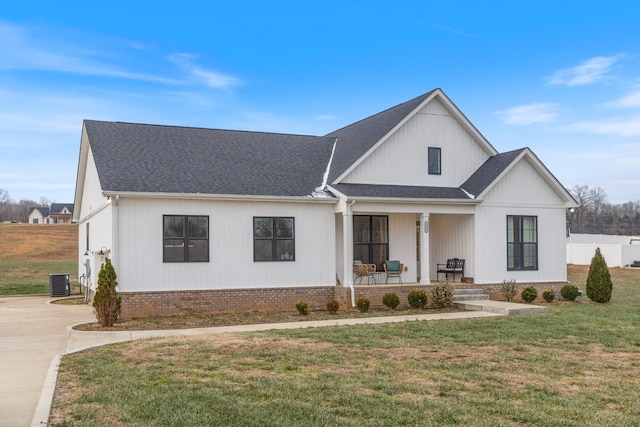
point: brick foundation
(150, 304)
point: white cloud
(326, 117)
(629, 101)
(23, 50)
(210, 78)
(620, 127)
(540, 112)
(590, 71)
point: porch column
(424, 249)
(347, 247)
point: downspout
(350, 248)
(115, 231)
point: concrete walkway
(34, 334)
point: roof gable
(168, 159)
(496, 167)
(356, 141)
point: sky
(559, 77)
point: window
(371, 239)
(87, 237)
(274, 239)
(434, 161)
(522, 242)
(185, 238)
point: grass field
(578, 365)
(29, 253)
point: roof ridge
(203, 128)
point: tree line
(18, 211)
(594, 215)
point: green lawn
(32, 277)
(578, 365)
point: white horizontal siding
(402, 158)
(231, 264)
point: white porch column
(424, 249)
(347, 247)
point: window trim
(434, 155)
(519, 244)
(275, 239)
(186, 239)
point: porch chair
(393, 269)
(364, 270)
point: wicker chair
(364, 270)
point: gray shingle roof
(354, 140)
(43, 211)
(489, 171)
(56, 208)
(169, 159)
(400, 191)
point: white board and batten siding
(95, 210)
(403, 158)
(520, 192)
(231, 264)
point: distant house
(212, 220)
(57, 213)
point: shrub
(509, 289)
(569, 292)
(548, 294)
(363, 305)
(302, 307)
(391, 300)
(106, 302)
(599, 284)
(333, 306)
(529, 294)
(417, 299)
(442, 294)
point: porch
(419, 240)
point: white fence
(618, 251)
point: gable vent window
(274, 239)
(435, 162)
(522, 242)
(185, 238)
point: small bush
(509, 289)
(363, 305)
(549, 295)
(391, 300)
(442, 294)
(569, 292)
(529, 294)
(333, 306)
(417, 299)
(107, 302)
(302, 307)
(599, 285)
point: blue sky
(561, 77)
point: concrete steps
(460, 295)
(477, 300)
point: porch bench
(453, 266)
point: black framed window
(522, 242)
(371, 239)
(435, 161)
(185, 238)
(274, 239)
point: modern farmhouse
(212, 220)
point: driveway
(32, 333)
